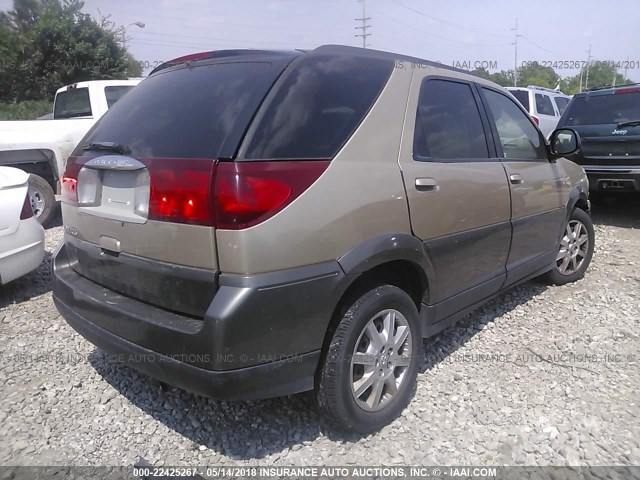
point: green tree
(537, 75)
(503, 78)
(54, 43)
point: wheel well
(582, 203)
(403, 274)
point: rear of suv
(250, 224)
(608, 121)
(545, 106)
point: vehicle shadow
(256, 429)
(31, 285)
(616, 210)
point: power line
(365, 25)
(450, 24)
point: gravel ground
(541, 375)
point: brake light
(626, 90)
(26, 212)
(248, 193)
(535, 119)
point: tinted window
(72, 103)
(543, 105)
(561, 103)
(522, 96)
(518, 136)
(448, 123)
(187, 113)
(318, 107)
(114, 94)
(604, 109)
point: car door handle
(427, 184)
(516, 179)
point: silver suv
(545, 106)
(250, 224)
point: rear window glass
(187, 113)
(72, 103)
(522, 96)
(114, 94)
(561, 103)
(318, 107)
(604, 109)
(543, 105)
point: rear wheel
(42, 199)
(369, 374)
(575, 251)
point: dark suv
(249, 224)
(608, 121)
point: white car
(41, 147)
(21, 235)
(545, 106)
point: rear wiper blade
(107, 147)
(632, 123)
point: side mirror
(563, 142)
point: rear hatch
(609, 126)
(136, 207)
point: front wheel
(575, 250)
(369, 373)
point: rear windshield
(604, 109)
(191, 112)
(114, 94)
(522, 96)
(318, 107)
(72, 103)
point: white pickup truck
(41, 147)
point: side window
(518, 136)
(448, 123)
(561, 103)
(543, 105)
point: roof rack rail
(607, 87)
(535, 87)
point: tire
(43, 199)
(574, 256)
(336, 389)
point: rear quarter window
(317, 107)
(561, 103)
(522, 96)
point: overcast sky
(447, 31)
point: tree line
(45, 44)
(600, 74)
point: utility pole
(365, 25)
(586, 82)
(515, 62)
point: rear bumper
(261, 336)
(613, 179)
(21, 252)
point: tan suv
(250, 224)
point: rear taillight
(536, 120)
(26, 212)
(248, 193)
(180, 190)
(69, 184)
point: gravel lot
(484, 396)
